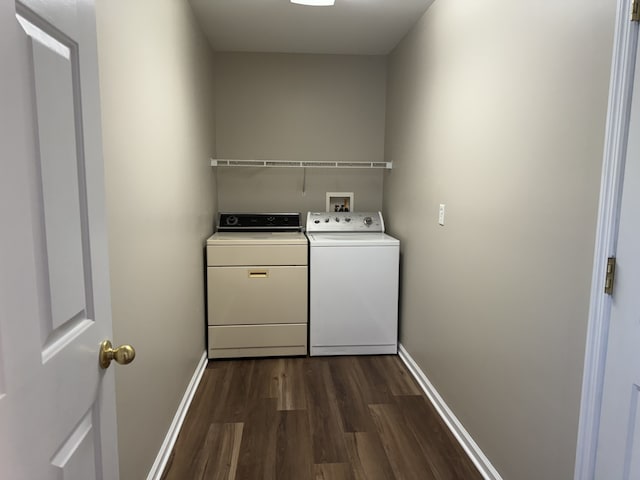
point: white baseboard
(478, 458)
(174, 429)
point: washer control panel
(345, 222)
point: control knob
(368, 221)
(231, 220)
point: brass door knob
(124, 354)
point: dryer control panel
(259, 222)
(345, 222)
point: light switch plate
(441, 214)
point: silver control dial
(367, 221)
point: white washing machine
(353, 284)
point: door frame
(615, 144)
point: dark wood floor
(316, 418)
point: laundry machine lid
(352, 239)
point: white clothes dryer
(257, 286)
(353, 284)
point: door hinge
(635, 11)
(610, 277)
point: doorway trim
(615, 142)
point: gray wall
(298, 107)
(156, 75)
(497, 109)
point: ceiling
(357, 27)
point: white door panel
(57, 409)
(57, 126)
(618, 454)
(60, 220)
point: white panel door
(618, 454)
(57, 408)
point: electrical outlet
(441, 214)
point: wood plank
(372, 381)
(288, 384)
(212, 383)
(294, 457)
(332, 471)
(406, 460)
(447, 458)
(223, 448)
(258, 449)
(194, 430)
(324, 414)
(216, 458)
(350, 397)
(196, 465)
(236, 393)
(399, 380)
(367, 457)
